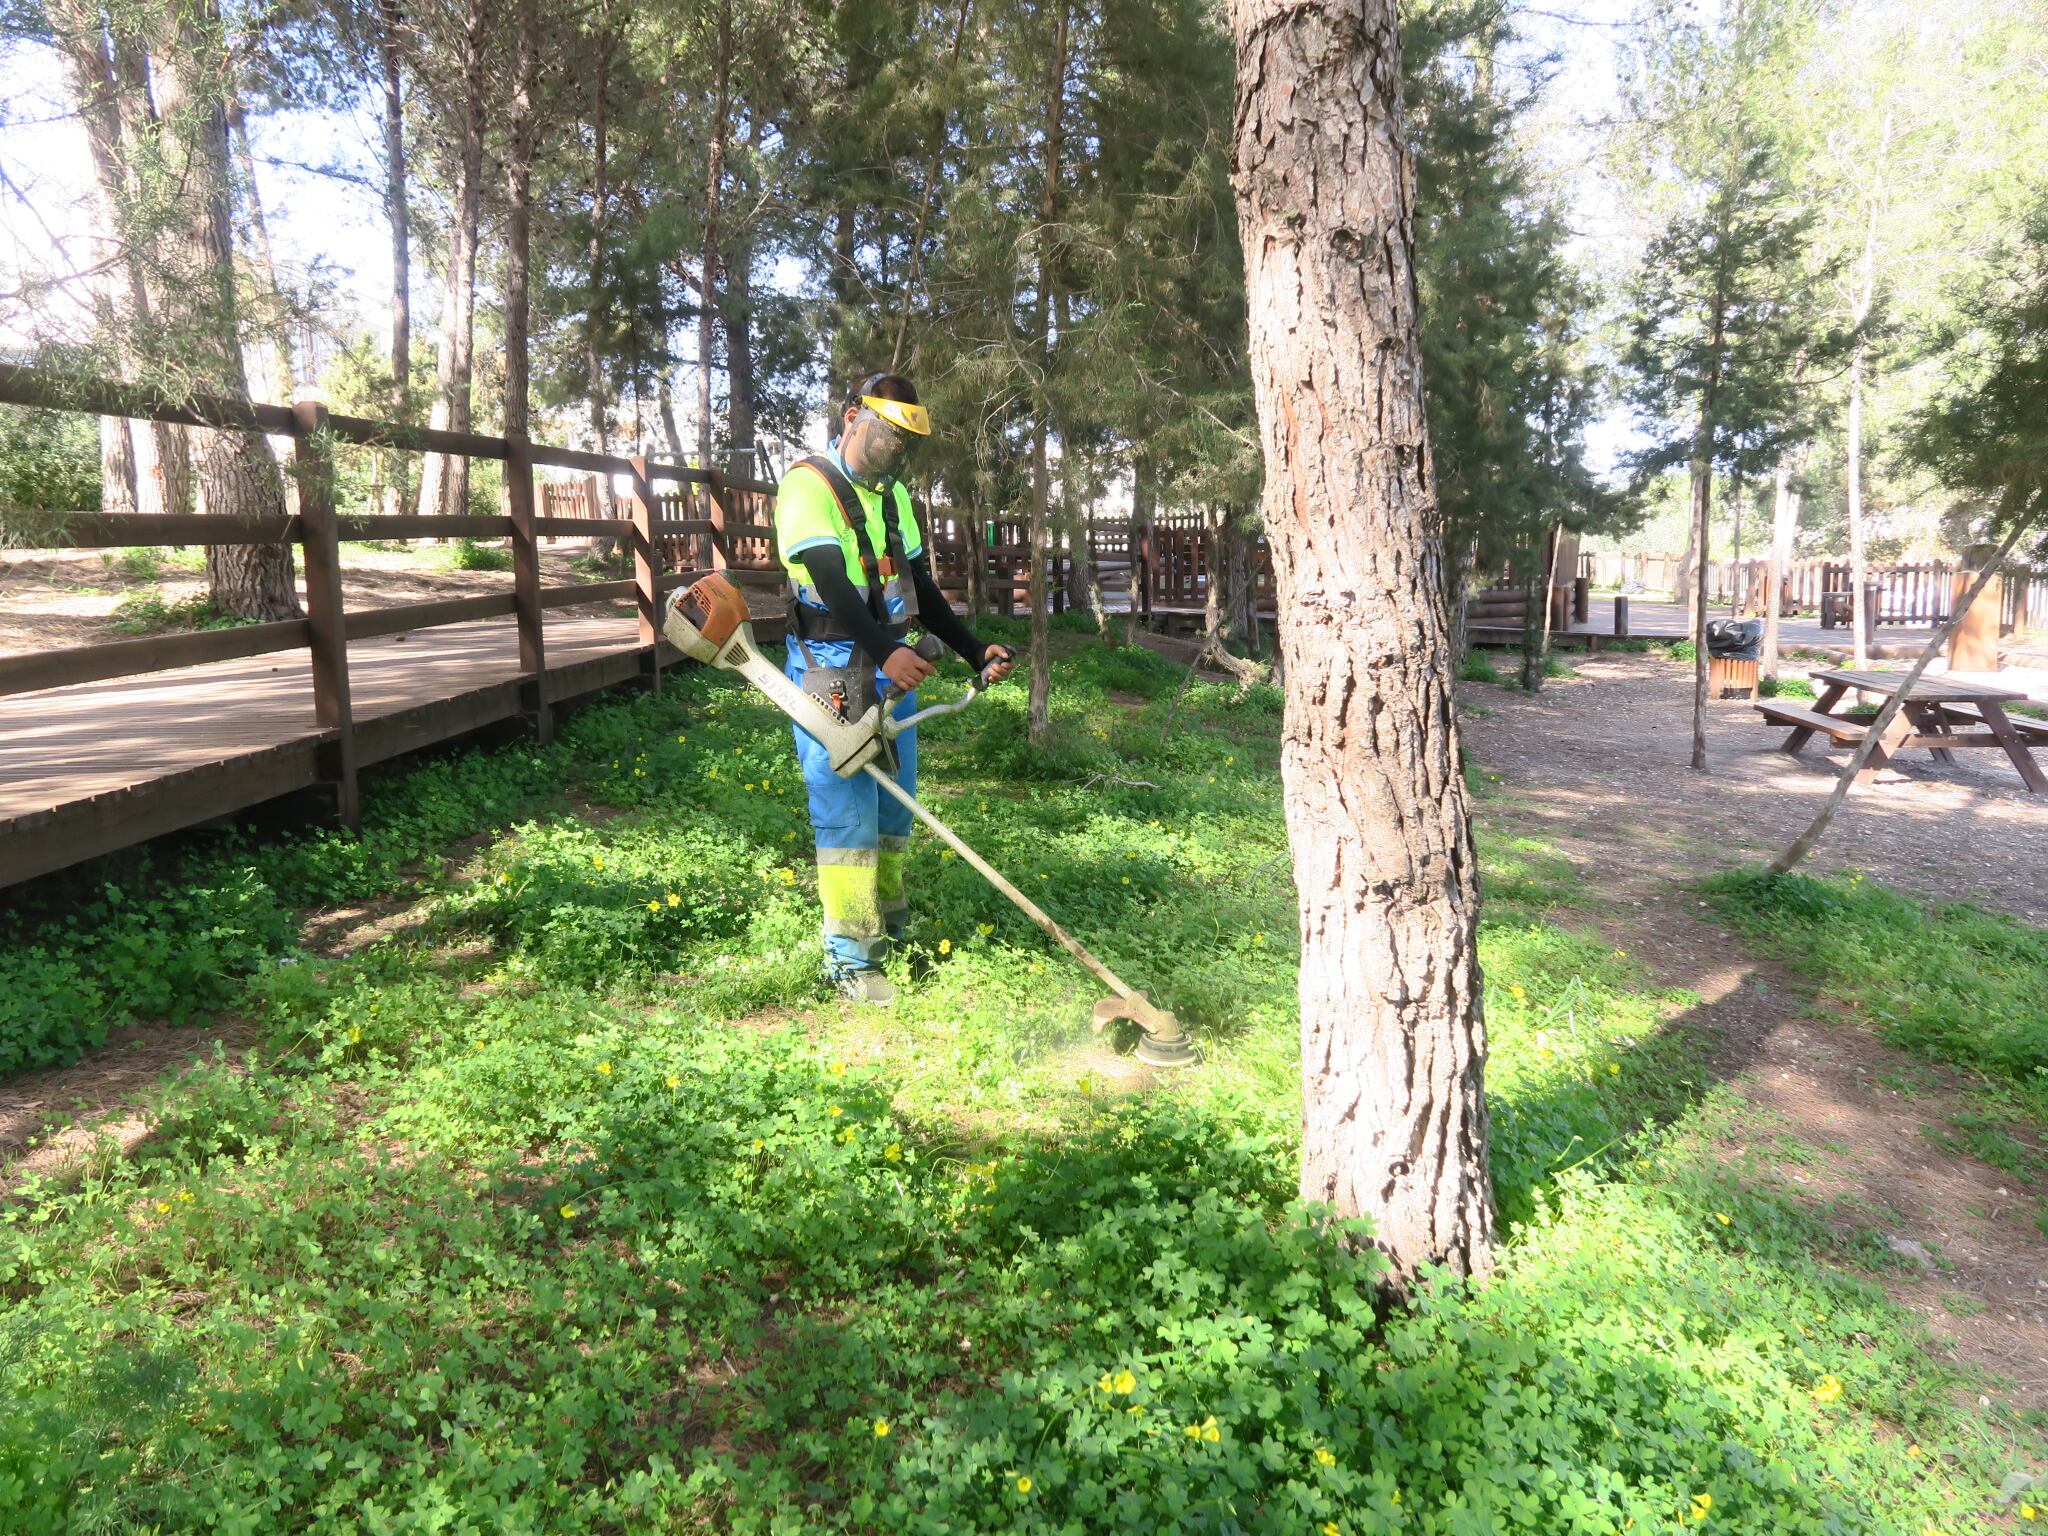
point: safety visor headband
(911, 418)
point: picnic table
(1940, 714)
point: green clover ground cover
(572, 1203)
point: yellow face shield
(911, 418)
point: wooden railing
(719, 516)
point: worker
(859, 574)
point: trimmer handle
(927, 647)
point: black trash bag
(1736, 639)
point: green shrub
(474, 555)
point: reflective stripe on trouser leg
(889, 897)
(893, 823)
(854, 935)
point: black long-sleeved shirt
(826, 566)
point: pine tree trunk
(738, 311)
(714, 183)
(1859, 568)
(398, 216)
(1393, 1038)
(133, 456)
(519, 151)
(1144, 507)
(233, 472)
(600, 207)
(275, 324)
(1702, 506)
(1039, 710)
(444, 486)
(1782, 515)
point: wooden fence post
(1621, 617)
(719, 515)
(526, 607)
(646, 587)
(313, 470)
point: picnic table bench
(1937, 715)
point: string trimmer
(708, 623)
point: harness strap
(856, 518)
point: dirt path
(1596, 766)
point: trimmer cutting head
(1161, 1042)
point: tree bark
(519, 152)
(396, 213)
(1393, 1036)
(444, 487)
(234, 472)
(1866, 295)
(141, 464)
(714, 184)
(274, 324)
(1859, 567)
(593, 318)
(1702, 506)
(1038, 714)
(1782, 518)
(737, 308)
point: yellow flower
(1724, 1218)
(675, 1082)
(1913, 1451)
(597, 859)
(985, 929)
(881, 1429)
(844, 1136)
(759, 1144)
(1206, 1430)
(2028, 1512)
(639, 773)
(1517, 993)
(1331, 1528)
(653, 906)
(162, 1206)
(1701, 1503)
(835, 1111)
(681, 739)
(1023, 1485)
(673, 899)
(945, 946)
(1324, 1458)
(750, 789)
(568, 1213)
(604, 1069)
(1614, 1066)
(1102, 1382)
(894, 1152)
(1828, 1390)
(184, 1194)
(504, 879)
(1124, 1384)
(945, 853)
(789, 877)
(355, 1033)
(1228, 761)
(1127, 879)
(837, 1069)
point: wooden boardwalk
(98, 766)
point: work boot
(866, 987)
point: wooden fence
(707, 513)
(1915, 595)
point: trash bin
(1734, 646)
(1735, 639)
